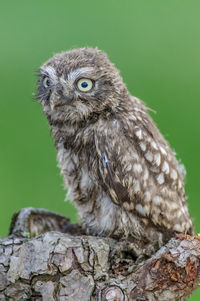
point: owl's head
(76, 83)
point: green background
(155, 44)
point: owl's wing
(117, 158)
(140, 172)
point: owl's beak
(54, 102)
(58, 99)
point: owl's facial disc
(61, 90)
(70, 89)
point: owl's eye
(84, 84)
(46, 82)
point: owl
(119, 171)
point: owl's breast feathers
(139, 170)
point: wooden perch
(59, 266)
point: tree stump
(39, 262)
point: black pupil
(84, 85)
(47, 82)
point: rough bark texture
(59, 266)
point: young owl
(119, 171)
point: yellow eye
(46, 82)
(84, 84)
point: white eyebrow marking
(76, 73)
(50, 71)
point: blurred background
(155, 44)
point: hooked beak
(56, 102)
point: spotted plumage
(118, 169)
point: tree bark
(37, 263)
